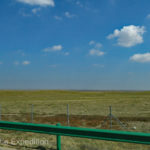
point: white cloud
(98, 65)
(92, 42)
(113, 2)
(69, 15)
(79, 4)
(128, 36)
(66, 53)
(36, 10)
(142, 58)
(148, 16)
(38, 2)
(1, 62)
(53, 48)
(16, 63)
(21, 52)
(24, 13)
(98, 45)
(26, 62)
(58, 18)
(53, 66)
(95, 44)
(96, 52)
(130, 73)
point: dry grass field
(87, 109)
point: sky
(75, 44)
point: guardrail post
(58, 140)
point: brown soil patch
(75, 120)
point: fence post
(68, 114)
(110, 109)
(0, 112)
(32, 107)
(58, 140)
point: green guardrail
(58, 130)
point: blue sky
(75, 44)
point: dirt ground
(76, 120)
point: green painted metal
(58, 139)
(110, 135)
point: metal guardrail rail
(58, 130)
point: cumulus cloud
(92, 42)
(66, 53)
(39, 2)
(36, 10)
(56, 48)
(58, 18)
(69, 15)
(16, 63)
(23, 13)
(21, 52)
(141, 58)
(95, 44)
(128, 36)
(53, 48)
(26, 62)
(79, 4)
(98, 65)
(66, 14)
(98, 45)
(113, 2)
(148, 16)
(53, 66)
(96, 52)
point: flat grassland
(86, 108)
